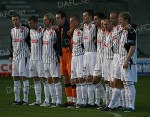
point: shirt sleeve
(131, 38)
(11, 47)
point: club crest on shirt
(21, 28)
(40, 30)
(51, 33)
(78, 33)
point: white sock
(97, 93)
(118, 101)
(17, 87)
(75, 100)
(126, 95)
(37, 87)
(46, 91)
(91, 89)
(115, 95)
(58, 88)
(84, 93)
(123, 97)
(52, 93)
(70, 99)
(25, 90)
(79, 94)
(103, 93)
(110, 92)
(107, 94)
(132, 94)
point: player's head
(102, 25)
(33, 22)
(98, 17)
(114, 18)
(48, 20)
(74, 21)
(107, 24)
(88, 16)
(124, 18)
(60, 18)
(15, 19)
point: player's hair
(106, 18)
(34, 18)
(50, 17)
(115, 12)
(15, 14)
(125, 16)
(62, 14)
(90, 12)
(76, 17)
(100, 15)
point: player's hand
(95, 41)
(10, 59)
(70, 32)
(125, 65)
(127, 26)
(55, 27)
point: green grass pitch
(6, 95)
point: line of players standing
(84, 54)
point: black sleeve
(65, 36)
(131, 39)
(95, 37)
(28, 39)
(82, 45)
(57, 45)
(11, 47)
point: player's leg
(57, 83)
(99, 89)
(24, 73)
(66, 78)
(41, 74)
(91, 86)
(129, 79)
(116, 80)
(73, 84)
(78, 67)
(17, 83)
(33, 71)
(51, 86)
(74, 68)
(46, 92)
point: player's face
(107, 25)
(74, 23)
(113, 19)
(102, 25)
(46, 22)
(32, 24)
(122, 21)
(15, 21)
(97, 21)
(60, 21)
(86, 17)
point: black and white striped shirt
(89, 32)
(128, 39)
(77, 48)
(19, 45)
(108, 44)
(100, 44)
(49, 53)
(36, 43)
